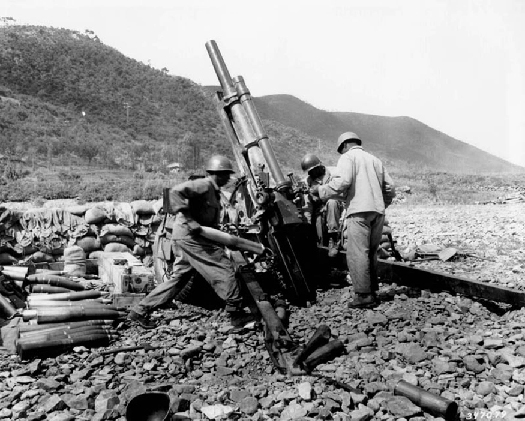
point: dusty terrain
(494, 233)
(449, 345)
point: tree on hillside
(190, 151)
(87, 150)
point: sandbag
(116, 229)
(7, 259)
(95, 255)
(75, 261)
(142, 207)
(78, 210)
(116, 248)
(157, 205)
(88, 244)
(25, 251)
(122, 239)
(95, 215)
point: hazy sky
(456, 65)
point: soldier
(364, 183)
(324, 216)
(195, 203)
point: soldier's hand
(314, 191)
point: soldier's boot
(363, 301)
(141, 320)
(240, 319)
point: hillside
(74, 112)
(65, 88)
(69, 99)
(402, 141)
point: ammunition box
(126, 300)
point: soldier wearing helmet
(324, 216)
(196, 203)
(367, 189)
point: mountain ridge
(400, 138)
(77, 100)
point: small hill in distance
(401, 141)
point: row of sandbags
(42, 235)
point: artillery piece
(283, 268)
(264, 198)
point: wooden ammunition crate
(141, 279)
(126, 300)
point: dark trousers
(195, 253)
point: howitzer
(267, 198)
(268, 201)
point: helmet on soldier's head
(345, 137)
(219, 163)
(309, 162)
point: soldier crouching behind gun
(195, 203)
(324, 216)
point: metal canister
(429, 402)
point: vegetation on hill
(91, 102)
(79, 119)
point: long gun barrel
(272, 208)
(246, 118)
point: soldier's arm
(340, 181)
(388, 188)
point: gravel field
(493, 232)
(451, 346)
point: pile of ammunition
(60, 313)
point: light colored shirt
(361, 181)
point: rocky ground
(448, 345)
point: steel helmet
(309, 162)
(345, 137)
(219, 163)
